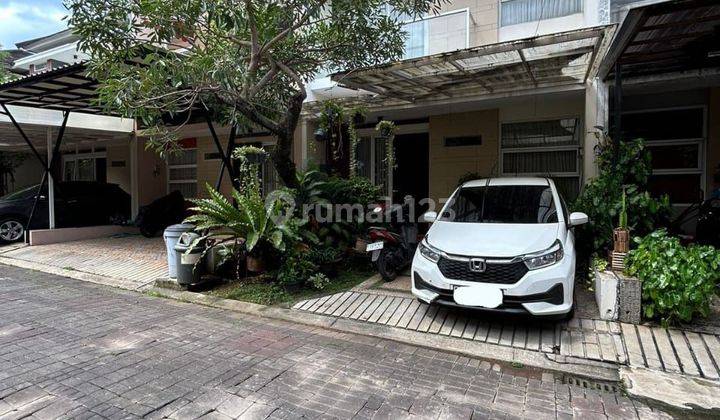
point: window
(182, 172)
(85, 165)
(371, 163)
(502, 204)
(675, 139)
(513, 12)
(436, 34)
(549, 148)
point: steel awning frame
(663, 38)
(556, 60)
(67, 89)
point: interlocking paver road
(73, 350)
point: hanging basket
(621, 240)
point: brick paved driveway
(73, 350)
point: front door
(412, 172)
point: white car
(503, 245)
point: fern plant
(252, 219)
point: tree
(245, 62)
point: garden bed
(262, 290)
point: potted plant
(250, 154)
(621, 234)
(320, 135)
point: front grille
(494, 273)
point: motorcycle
(161, 213)
(392, 249)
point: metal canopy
(669, 37)
(65, 88)
(545, 61)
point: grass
(264, 292)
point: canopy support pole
(228, 156)
(48, 172)
(617, 111)
(225, 157)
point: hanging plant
(250, 158)
(331, 121)
(387, 131)
(358, 114)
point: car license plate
(483, 295)
(374, 246)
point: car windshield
(25, 193)
(502, 204)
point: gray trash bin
(171, 235)
(188, 254)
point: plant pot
(255, 158)
(320, 135)
(606, 288)
(255, 264)
(629, 299)
(621, 240)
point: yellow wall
(448, 164)
(152, 175)
(119, 175)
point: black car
(77, 204)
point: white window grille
(182, 172)
(548, 148)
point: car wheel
(11, 230)
(386, 267)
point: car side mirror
(577, 219)
(429, 217)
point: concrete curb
(74, 274)
(676, 393)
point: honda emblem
(477, 265)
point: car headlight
(545, 258)
(429, 252)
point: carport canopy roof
(669, 37)
(38, 101)
(66, 88)
(556, 60)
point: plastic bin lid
(180, 227)
(187, 239)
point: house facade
(486, 88)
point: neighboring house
(48, 52)
(488, 87)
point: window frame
(169, 166)
(577, 148)
(500, 14)
(699, 141)
(426, 18)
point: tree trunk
(282, 155)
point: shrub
(295, 269)
(318, 281)
(602, 198)
(678, 282)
